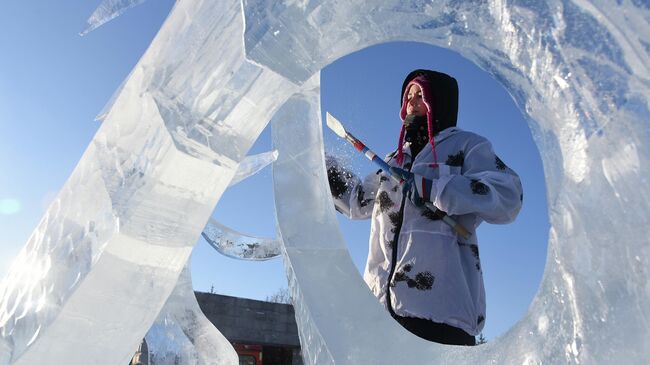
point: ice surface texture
(126, 220)
(107, 11)
(183, 335)
(106, 256)
(251, 165)
(231, 243)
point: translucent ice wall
(130, 213)
(107, 11)
(231, 243)
(108, 252)
(183, 335)
(579, 70)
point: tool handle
(361, 147)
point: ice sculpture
(251, 165)
(183, 335)
(107, 254)
(126, 220)
(233, 244)
(107, 11)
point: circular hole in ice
(362, 89)
(512, 256)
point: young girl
(428, 277)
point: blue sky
(54, 82)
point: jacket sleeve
(486, 187)
(352, 197)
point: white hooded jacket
(417, 265)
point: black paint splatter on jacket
(435, 274)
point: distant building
(262, 333)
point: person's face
(415, 104)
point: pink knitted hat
(427, 98)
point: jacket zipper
(393, 263)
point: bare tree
(280, 296)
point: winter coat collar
(444, 134)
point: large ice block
(170, 144)
(102, 262)
(579, 70)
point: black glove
(337, 177)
